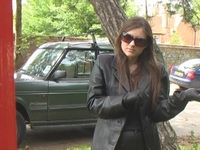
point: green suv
(51, 87)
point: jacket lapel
(125, 84)
(143, 83)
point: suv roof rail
(63, 38)
(94, 44)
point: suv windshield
(41, 62)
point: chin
(130, 55)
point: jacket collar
(142, 83)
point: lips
(130, 50)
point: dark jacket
(105, 102)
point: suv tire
(21, 128)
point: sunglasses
(128, 38)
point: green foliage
(129, 7)
(81, 148)
(189, 148)
(194, 142)
(195, 16)
(23, 47)
(189, 9)
(63, 17)
(176, 39)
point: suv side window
(78, 63)
(106, 51)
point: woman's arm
(170, 106)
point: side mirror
(59, 74)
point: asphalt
(188, 120)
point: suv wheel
(21, 128)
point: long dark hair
(147, 63)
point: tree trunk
(18, 34)
(168, 136)
(112, 18)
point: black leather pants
(131, 140)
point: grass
(194, 145)
(80, 148)
(86, 147)
(189, 148)
(193, 140)
(89, 148)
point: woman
(129, 92)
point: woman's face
(133, 43)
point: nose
(132, 43)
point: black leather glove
(190, 94)
(131, 98)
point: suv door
(68, 95)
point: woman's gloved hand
(131, 98)
(191, 94)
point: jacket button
(112, 143)
(119, 122)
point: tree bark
(112, 17)
(168, 136)
(18, 34)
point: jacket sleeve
(167, 106)
(99, 103)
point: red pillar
(7, 99)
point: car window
(78, 63)
(41, 62)
(102, 51)
(191, 64)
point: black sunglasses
(128, 38)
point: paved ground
(60, 138)
(188, 120)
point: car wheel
(21, 128)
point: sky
(142, 6)
(14, 4)
(143, 1)
(150, 1)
